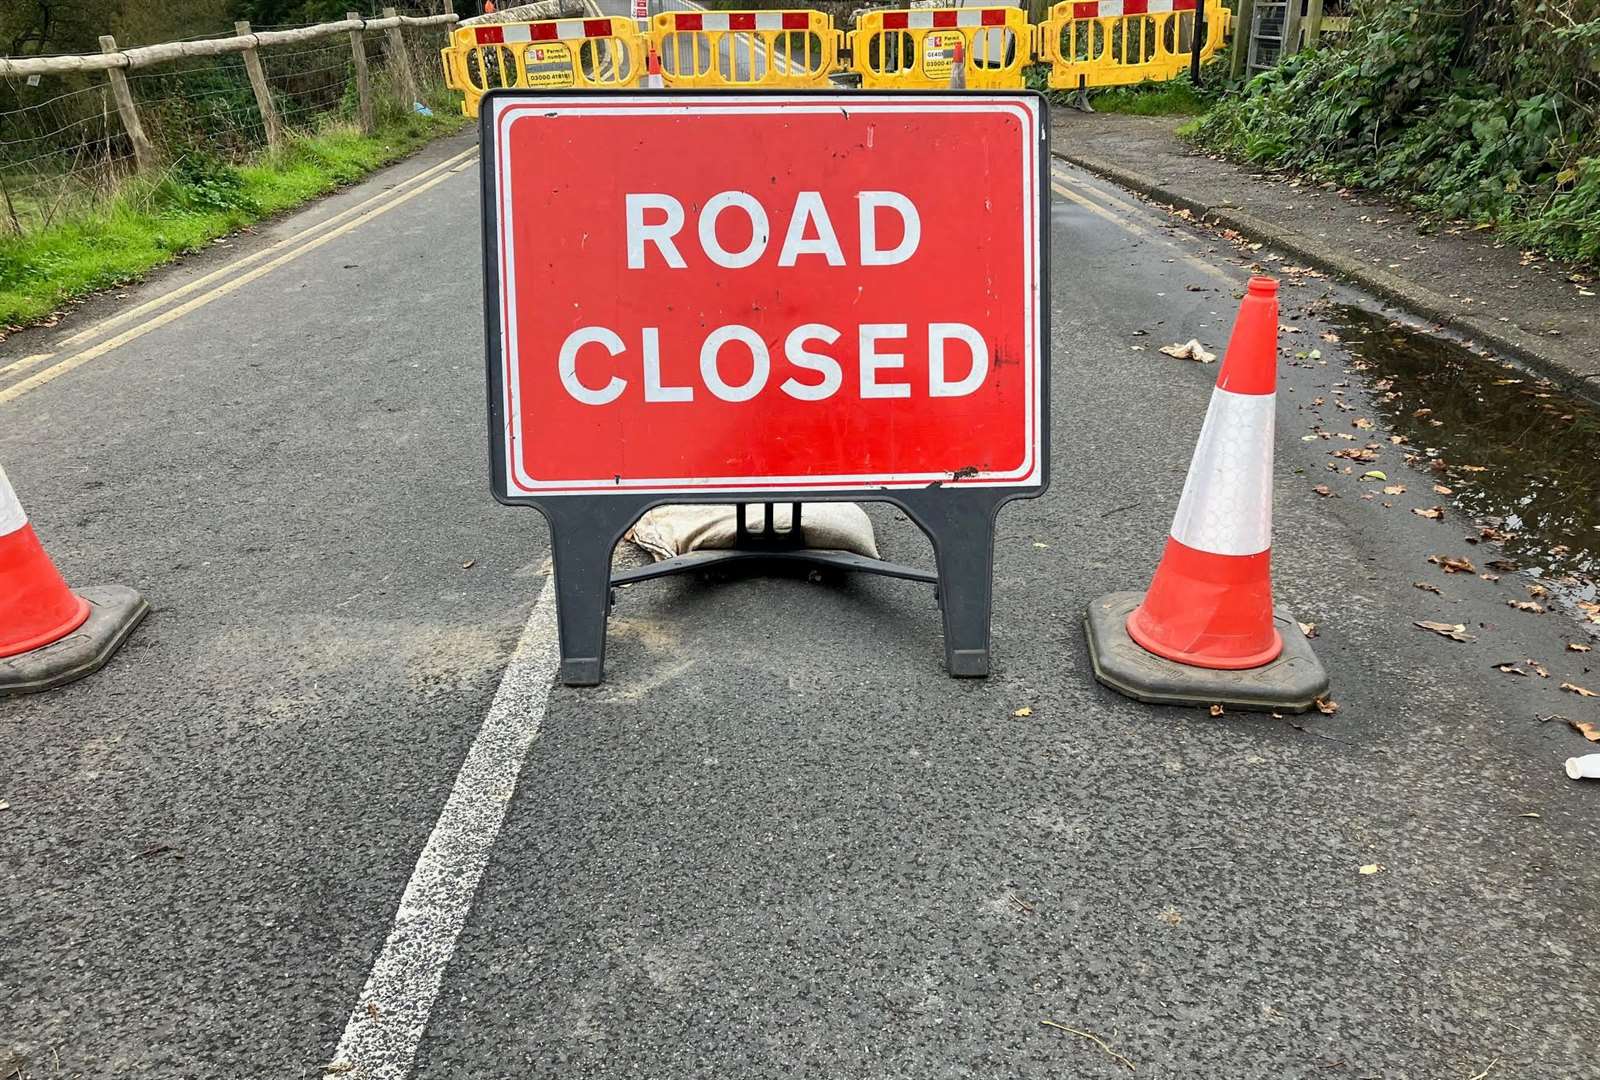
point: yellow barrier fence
(589, 54)
(915, 49)
(771, 48)
(1120, 42)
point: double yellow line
(291, 248)
(1124, 215)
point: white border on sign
(509, 111)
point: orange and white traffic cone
(50, 635)
(1206, 631)
(652, 69)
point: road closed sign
(764, 293)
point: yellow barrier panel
(589, 54)
(1120, 42)
(914, 49)
(774, 48)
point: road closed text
(809, 361)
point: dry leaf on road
(1395, 489)
(1453, 631)
(1573, 646)
(1026, 710)
(1372, 868)
(1327, 706)
(1586, 729)
(1309, 629)
(1216, 710)
(1425, 587)
(1526, 605)
(1510, 668)
(1190, 350)
(1433, 513)
(1580, 691)
(1453, 564)
(1324, 490)
(1440, 489)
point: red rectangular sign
(764, 292)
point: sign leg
(961, 526)
(583, 535)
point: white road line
(380, 1039)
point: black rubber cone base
(1291, 683)
(114, 610)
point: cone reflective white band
(1226, 508)
(11, 516)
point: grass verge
(190, 203)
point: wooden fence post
(258, 83)
(363, 81)
(1243, 28)
(144, 155)
(401, 60)
(1314, 23)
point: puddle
(1522, 457)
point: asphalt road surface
(778, 842)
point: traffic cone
(1206, 627)
(50, 635)
(652, 69)
(958, 67)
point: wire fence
(63, 142)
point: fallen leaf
(1171, 917)
(1580, 691)
(469, 564)
(1376, 474)
(1361, 423)
(1440, 489)
(1026, 710)
(1356, 454)
(1395, 489)
(1453, 564)
(1190, 350)
(1309, 629)
(1539, 669)
(1573, 646)
(1372, 868)
(1510, 669)
(1538, 592)
(1324, 490)
(1425, 587)
(1526, 605)
(1453, 631)
(1490, 577)
(1586, 729)
(1329, 335)
(1216, 710)
(1433, 513)
(1327, 706)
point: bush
(1489, 112)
